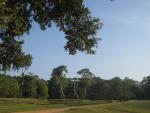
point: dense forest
(88, 86)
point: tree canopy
(86, 73)
(59, 71)
(58, 82)
(70, 16)
(96, 88)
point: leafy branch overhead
(70, 16)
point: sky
(124, 50)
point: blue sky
(123, 51)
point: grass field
(117, 107)
(8, 105)
(13, 105)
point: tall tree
(86, 81)
(29, 86)
(146, 86)
(58, 83)
(70, 16)
(59, 71)
(86, 73)
(42, 89)
(71, 90)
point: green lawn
(117, 107)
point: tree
(59, 71)
(14, 87)
(146, 87)
(134, 88)
(20, 81)
(29, 85)
(57, 87)
(118, 90)
(98, 90)
(86, 81)
(58, 83)
(71, 90)
(9, 86)
(70, 16)
(4, 86)
(11, 56)
(42, 89)
(86, 73)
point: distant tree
(86, 73)
(9, 86)
(42, 89)
(58, 83)
(20, 82)
(86, 81)
(134, 88)
(29, 85)
(59, 71)
(99, 90)
(70, 16)
(57, 87)
(146, 87)
(71, 90)
(4, 86)
(118, 90)
(14, 88)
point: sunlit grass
(13, 105)
(117, 107)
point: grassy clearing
(13, 105)
(116, 107)
(8, 105)
(72, 102)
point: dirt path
(57, 110)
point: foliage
(9, 87)
(61, 87)
(72, 90)
(57, 87)
(86, 73)
(58, 82)
(70, 16)
(85, 82)
(42, 89)
(146, 87)
(59, 71)
(99, 90)
(29, 86)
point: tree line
(88, 86)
